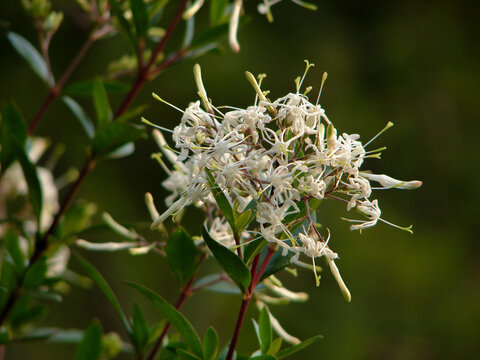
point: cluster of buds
(284, 156)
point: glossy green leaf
(31, 177)
(113, 136)
(265, 330)
(124, 25)
(106, 290)
(210, 344)
(140, 17)
(228, 261)
(140, 330)
(31, 55)
(253, 248)
(13, 129)
(85, 88)
(182, 255)
(217, 11)
(90, 348)
(295, 348)
(12, 244)
(80, 115)
(100, 100)
(221, 199)
(177, 319)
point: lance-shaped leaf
(175, 317)
(141, 332)
(90, 348)
(217, 11)
(113, 136)
(12, 130)
(182, 255)
(31, 55)
(107, 291)
(140, 17)
(265, 330)
(12, 244)
(100, 99)
(295, 348)
(221, 199)
(210, 344)
(80, 115)
(228, 261)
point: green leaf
(264, 357)
(215, 33)
(112, 136)
(85, 88)
(265, 330)
(174, 316)
(124, 25)
(221, 199)
(217, 10)
(90, 348)
(80, 115)
(140, 17)
(277, 263)
(135, 112)
(210, 344)
(295, 348)
(12, 244)
(242, 220)
(123, 151)
(32, 179)
(31, 55)
(100, 99)
(77, 218)
(275, 347)
(140, 330)
(107, 291)
(186, 355)
(228, 261)
(13, 129)
(253, 248)
(182, 255)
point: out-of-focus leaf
(295, 348)
(4, 335)
(210, 344)
(106, 246)
(12, 244)
(186, 355)
(85, 88)
(276, 345)
(100, 99)
(215, 33)
(221, 199)
(36, 334)
(45, 295)
(130, 114)
(217, 10)
(141, 332)
(277, 263)
(182, 255)
(189, 32)
(31, 55)
(107, 291)
(80, 115)
(77, 218)
(174, 316)
(12, 130)
(124, 25)
(140, 17)
(123, 151)
(264, 357)
(90, 348)
(25, 311)
(265, 330)
(228, 261)
(113, 136)
(36, 274)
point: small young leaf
(210, 344)
(107, 291)
(140, 330)
(32, 179)
(217, 10)
(100, 99)
(31, 55)
(275, 346)
(12, 244)
(12, 130)
(228, 261)
(253, 248)
(90, 348)
(80, 115)
(221, 199)
(113, 136)
(140, 17)
(265, 330)
(295, 348)
(174, 316)
(182, 255)
(85, 88)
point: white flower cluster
(279, 154)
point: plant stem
(186, 292)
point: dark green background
(414, 63)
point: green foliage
(12, 245)
(210, 344)
(265, 330)
(102, 106)
(113, 136)
(182, 255)
(80, 115)
(140, 17)
(90, 348)
(13, 133)
(174, 316)
(221, 199)
(217, 11)
(140, 330)
(296, 348)
(229, 262)
(85, 88)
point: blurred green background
(414, 63)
